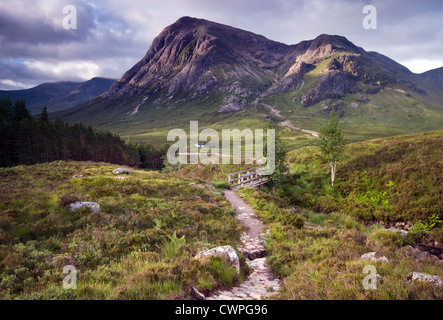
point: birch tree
(331, 143)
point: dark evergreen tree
(44, 115)
(6, 110)
(27, 140)
(20, 111)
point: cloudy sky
(112, 35)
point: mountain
(435, 77)
(226, 77)
(59, 95)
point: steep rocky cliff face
(196, 56)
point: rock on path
(261, 282)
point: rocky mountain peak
(336, 42)
(198, 69)
(198, 58)
(187, 54)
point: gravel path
(261, 282)
(287, 123)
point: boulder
(254, 254)
(196, 185)
(122, 171)
(77, 176)
(226, 251)
(374, 256)
(232, 107)
(412, 250)
(401, 232)
(423, 277)
(313, 227)
(93, 207)
(212, 189)
(427, 255)
(416, 253)
(403, 225)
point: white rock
(374, 256)
(226, 251)
(93, 207)
(122, 171)
(401, 232)
(417, 276)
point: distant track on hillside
(286, 122)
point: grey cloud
(35, 29)
(23, 73)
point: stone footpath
(261, 282)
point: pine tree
(6, 110)
(6, 134)
(331, 143)
(44, 115)
(20, 111)
(28, 140)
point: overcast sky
(112, 35)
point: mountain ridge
(201, 70)
(59, 95)
(172, 47)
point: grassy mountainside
(381, 103)
(59, 95)
(389, 179)
(153, 121)
(140, 246)
(391, 111)
(434, 76)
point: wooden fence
(248, 177)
